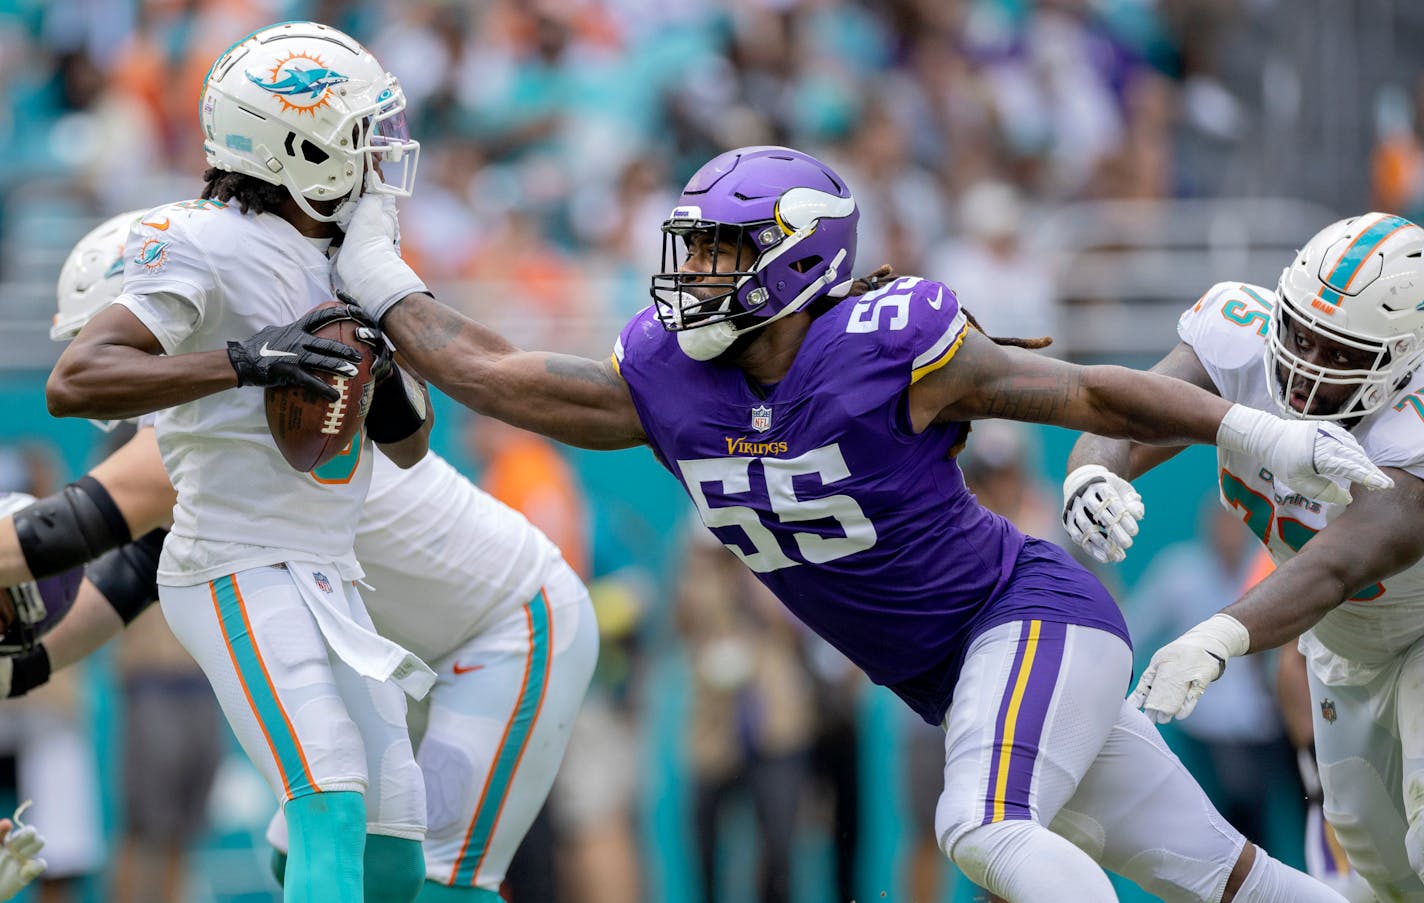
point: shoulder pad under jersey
(914, 322)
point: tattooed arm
(987, 380)
(1130, 459)
(572, 399)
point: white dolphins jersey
(443, 559)
(197, 274)
(1357, 639)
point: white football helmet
(306, 107)
(1358, 282)
(92, 275)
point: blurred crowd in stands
(555, 132)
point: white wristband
(1221, 635)
(1244, 430)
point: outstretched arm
(565, 397)
(1129, 459)
(1100, 507)
(989, 380)
(572, 399)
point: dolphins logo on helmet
(288, 83)
(306, 107)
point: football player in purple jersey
(811, 418)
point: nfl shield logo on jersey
(761, 418)
(1327, 710)
(322, 583)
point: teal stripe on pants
(296, 778)
(512, 748)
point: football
(310, 430)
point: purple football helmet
(796, 213)
(29, 610)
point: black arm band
(31, 670)
(398, 408)
(128, 575)
(69, 528)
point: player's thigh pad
(500, 717)
(1362, 768)
(1325, 859)
(1140, 813)
(395, 794)
(1409, 716)
(267, 661)
(1034, 702)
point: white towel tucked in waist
(349, 633)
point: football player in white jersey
(1341, 339)
(258, 575)
(504, 620)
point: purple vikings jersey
(860, 526)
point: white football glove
(369, 264)
(18, 863)
(1101, 511)
(1177, 676)
(1306, 455)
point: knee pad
(979, 848)
(1024, 861)
(1365, 817)
(1414, 848)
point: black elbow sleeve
(398, 408)
(31, 670)
(70, 528)
(128, 575)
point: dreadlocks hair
(251, 194)
(1042, 341)
(886, 273)
(869, 283)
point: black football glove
(284, 355)
(368, 332)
